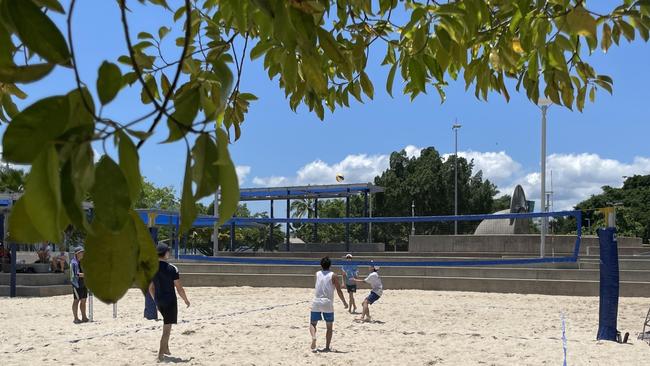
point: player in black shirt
(163, 290)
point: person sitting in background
(5, 255)
(43, 253)
(59, 261)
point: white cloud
(242, 173)
(272, 181)
(498, 167)
(575, 176)
(359, 168)
(413, 151)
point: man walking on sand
(377, 289)
(79, 290)
(163, 290)
(322, 307)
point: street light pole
(456, 127)
(543, 104)
(412, 215)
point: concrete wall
(507, 243)
(334, 247)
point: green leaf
(33, 128)
(110, 260)
(149, 84)
(110, 195)
(147, 265)
(580, 22)
(145, 35)
(290, 72)
(204, 172)
(53, 5)
(163, 31)
(390, 79)
(628, 30)
(38, 32)
(9, 106)
(21, 228)
(109, 82)
(313, 74)
(43, 195)
(227, 180)
(187, 107)
(130, 165)
(81, 113)
(329, 45)
(188, 205)
(260, 48)
(606, 41)
(24, 74)
(366, 85)
(165, 84)
(416, 72)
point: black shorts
(80, 293)
(169, 312)
(351, 288)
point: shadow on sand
(171, 359)
(325, 350)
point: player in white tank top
(323, 293)
(322, 307)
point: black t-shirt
(164, 283)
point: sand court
(269, 326)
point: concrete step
(36, 279)
(623, 264)
(477, 272)
(497, 285)
(38, 291)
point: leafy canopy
(317, 51)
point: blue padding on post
(306, 262)
(609, 284)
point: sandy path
(268, 326)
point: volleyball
(339, 177)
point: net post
(90, 306)
(114, 310)
(609, 278)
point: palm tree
(303, 207)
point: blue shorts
(372, 297)
(316, 316)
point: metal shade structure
(315, 192)
(310, 191)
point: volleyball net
(568, 253)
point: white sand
(265, 326)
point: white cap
(348, 255)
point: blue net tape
(315, 262)
(406, 263)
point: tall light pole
(456, 127)
(412, 215)
(543, 104)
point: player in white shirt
(322, 307)
(377, 289)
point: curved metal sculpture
(518, 202)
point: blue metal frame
(566, 259)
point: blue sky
(586, 150)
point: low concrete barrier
(333, 247)
(528, 243)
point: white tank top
(323, 293)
